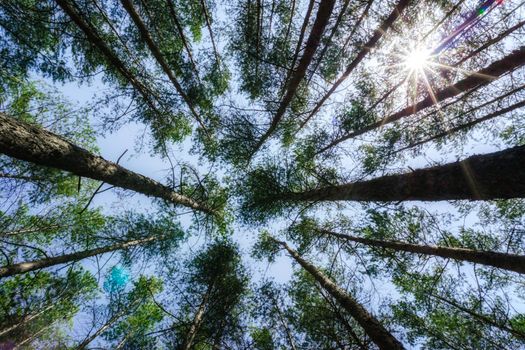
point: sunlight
(417, 59)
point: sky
(113, 144)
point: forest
(262, 174)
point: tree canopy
(262, 174)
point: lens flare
(417, 59)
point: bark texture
(373, 328)
(33, 144)
(511, 262)
(499, 175)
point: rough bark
(483, 77)
(499, 175)
(372, 327)
(23, 267)
(321, 20)
(378, 34)
(33, 144)
(511, 262)
(128, 6)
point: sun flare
(417, 59)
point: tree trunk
(197, 321)
(128, 6)
(482, 77)
(465, 126)
(329, 39)
(111, 57)
(321, 20)
(378, 34)
(29, 230)
(499, 175)
(285, 324)
(372, 327)
(180, 31)
(511, 262)
(25, 319)
(15, 269)
(102, 329)
(210, 32)
(299, 43)
(34, 144)
(343, 321)
(480, 317)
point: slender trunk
(101, 330)
(461, 61)
(299, 43)
(372, 42)
(258, 37)
(465, 126)
(343, 321)
(321, 20)
(123, 341)
(33, 144)
(25, 319)
(16, 269)
(208, 25)
(197, 321)
(480, 317)
(357, 24)
(511, 262)
(492, 42)
(285, 324)
(499, 175)
(180, 31)
(330, 37)
(29, 230)
(110, 56)
(128, 6)
(483, 77)
(372, 327)
(32, 337)
(288, 28)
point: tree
(373, 328)
(144, 234)
(31, 143)
(215, 285)
(302, 118)
(35, 302)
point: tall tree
(31, 143)
(372, 327)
